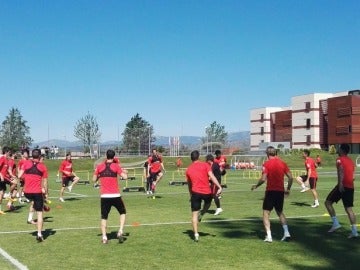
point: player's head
(344, 149)
(110, 154)
(209, 157)
(194, 155)
(306, 152)
(217, 153)
(68, 155)
(36, 153)
(5, 150)
(270, 151)
(25, 152)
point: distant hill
(240, 139)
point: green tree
(138, 136)
(87, 131)
(215, 138)
(14, 131)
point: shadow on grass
(335, 248)
(113, 235)
(47, 233)
(190, 234)
(300, 204)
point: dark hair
(110, 154)
(307, 152)
(345, 148)
(217, 152)
(209, 157)
(271, 151)
(5, 149)
(36, 153)
(25, 150)
(194, 155)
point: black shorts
(197, 198)
(312, 181)
(274, 199)
(2, 186)
(106, 204)
(347, 196)
(38, 200)
(67, 180)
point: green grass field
(159, 234)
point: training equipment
(134, 174)
(46, 208)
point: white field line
(169, 223)
(18, 265)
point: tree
(14, 132)
(215, 138)
(138, 136)
(87, 131)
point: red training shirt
(198, 174)
(275, 169)
(66, 166)
(33, 181)
(109, 187)
(348, 167)
(310, 164)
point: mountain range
(240, 139)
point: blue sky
(180, 64)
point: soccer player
(35, 176)
(221, 160)
(156, 168)
(344, 190)
(11, 180)
(24, 157)
(198, 175)
(3, 172)
(310, 178)
(107, 173)
(273, 172)
(217, 173)
(68, 176)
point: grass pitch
(159, 235)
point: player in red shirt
(221, 160)
(344, 190)
(273, 172)
(68, 176)
(24, 157)
(156, 169)
(3, 172)
(310, 178)
(107, 174)
(198, 175)
(11, 180)
(35, 175)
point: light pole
(207, 140)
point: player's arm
(261, 181)
(290, 182)
(340, 174)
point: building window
(308, 139)
(262, 117)
(308, 123)
(307, 106)
(262, 130)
